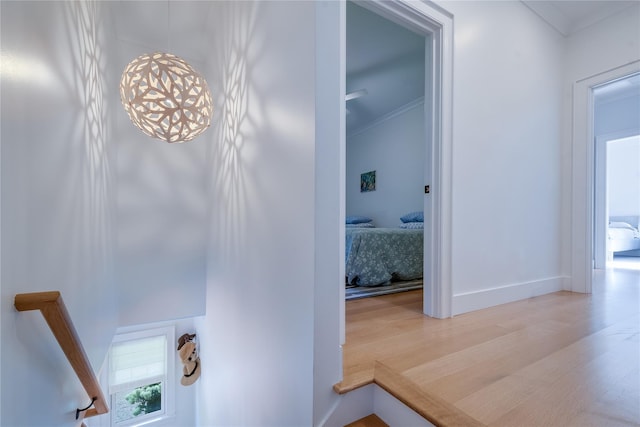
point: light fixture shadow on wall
(165, 97)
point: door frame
(583, 174)
(436, 24)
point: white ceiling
(175, 26)
(385, 59)
(567, 17)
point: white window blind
(137, 363)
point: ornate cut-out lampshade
(165, 97)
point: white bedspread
(623, 231)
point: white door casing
(436, 25)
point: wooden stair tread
(432, 408)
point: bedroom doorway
(385, 155)
(435, 27)
(617, 174)
(583, 224)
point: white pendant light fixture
(165, 97)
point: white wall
(507, 111)
(623, 176)
(58, 199)
(394, 148)
(258, 332)
(124, 257)
(161, 214)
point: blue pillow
(356, 219)
(413, 217)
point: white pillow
(616, 224)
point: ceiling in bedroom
(627, 87)
(567, 17)
(386, 60)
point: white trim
(471, 301)
(330, 188)
(435, 23)
(583, 153)
(350, 407)
(601, 205)
(394, 412)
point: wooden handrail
(55, 313)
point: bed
(623, 233)
(374, 256)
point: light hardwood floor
(562, 359)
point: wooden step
(369, 421)
(435, 410)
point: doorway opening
(434, 30)
(386, 139)
(616, 124)
(583, 179)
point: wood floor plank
(507, 360)
(578, 390)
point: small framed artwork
(368, 181)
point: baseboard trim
(471, 301)
(351, 406)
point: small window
(141, 376)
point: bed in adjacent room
(623, 233)
(376, 256)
